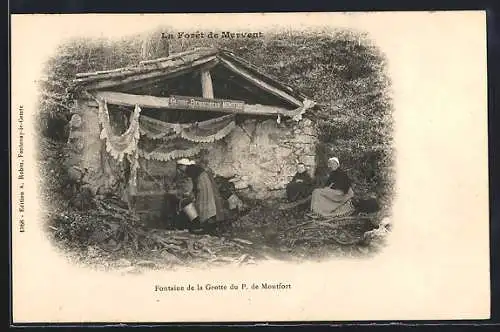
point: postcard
(264, 167)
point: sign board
(198, 103)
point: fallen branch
(348, 218)
(241, 259)
(114, 207)
(298, 225)
(242, 241)
(287, 206)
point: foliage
(77, 55)
(341, 70)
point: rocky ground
(108, 236)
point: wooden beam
(144, 83)
(206, 84)
(125, 99)
(263, 85)
(180, 55)
(100, 72)
(265, 110)
(149, 65)
(165, 73)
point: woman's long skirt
(329, 202)
(208, 201)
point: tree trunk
(154, 47)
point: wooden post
(206, 84)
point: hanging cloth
(161, 154)
(119, 145)
(297, 113)
(156, 129)
(200, 132)
(209, 131)
(172, 149)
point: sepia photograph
(268, 149)
(171, 151)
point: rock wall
(88, 150)
(262, 156)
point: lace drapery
(165, 155)
(124, 145)
(174, 140)
(118, 146)
(209, 131)
(200, 132)
(169, 150)
(182, 140)
(297, 113)
(156, 129)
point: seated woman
(334, 200)
(301, 185)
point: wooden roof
(177, 64)
(145, 70)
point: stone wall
(262, 155)
(88, 150)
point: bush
(70, 58)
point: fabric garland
(169, 150)
(209, 131)
(119, 145)
(200, 132)
(156, 129)
(175, 140)
(162, 155)
(297, 113)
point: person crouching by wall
(227, 189)
(206, 210)
(335, 199)
(178, 194)
(301, 184)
